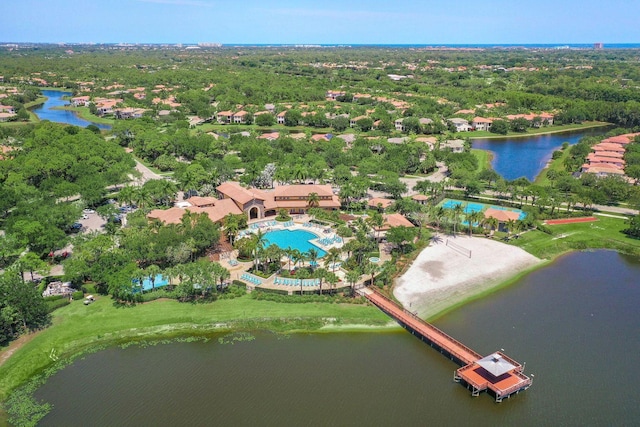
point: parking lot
(93, 223)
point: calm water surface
(575, 323)
(516, 157)
(54, 99)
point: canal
(515, 157)
(47, 111)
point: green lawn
(83, 113)
(557, 165)
(605, 233)
(484, 159)
(77, 328)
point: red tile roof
(501, 215)
(374, 202)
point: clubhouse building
(255, 203)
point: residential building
(454, 145)
(480, 123)
(80, 101)
(354, 121)
(280, 117)
(331, 95)
(240, 117)
(461, 125)
(224, 117)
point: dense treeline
(48, 164)
(583, 85)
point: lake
(575, 323)
(54, 99)
(528, 156)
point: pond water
(54, 99)
(575, 323)
(528, 156)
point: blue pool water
(470, 207)
(146, 283)
(295, 239)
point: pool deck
(239, 269)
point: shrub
(77, 295)
(55, 304)
(239, 284)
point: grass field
(606, 233)
(484, 159)
(83, 113)
(77, 328)
(557, 165)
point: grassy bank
(606, 233)
(557, 165)
(83, 113)
(484, 159)
(77, 328)
(533, 132)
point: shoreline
(441, 278)
(553, 131)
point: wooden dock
(497, 372)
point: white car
(88, 211)
(85, 216)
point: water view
(527, 156)
(54, 99)
(575, 323)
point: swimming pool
(469, 207)
(295, 239)
(159, 282)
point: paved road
(147, 174)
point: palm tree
(352, 277)
(492, 223)
(332, 278)
(371, 268)
(139, 275)
(297, 257)
(259, 241)
(126, 195)
(456, 211)
(510, 224)
(332, 258)
(222, 273)
(301, 275)
(313, 200)
(321, 274)
(438, 215)
(152, 272)
(475, 217)
(312, 256)
(376, 221)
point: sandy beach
(444, 274)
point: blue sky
(326, 21)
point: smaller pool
(469, 207)
(295, 239)
(374, 259)
(159, 282)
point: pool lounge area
(159, 282)
(470, 207)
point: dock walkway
(496, 372)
